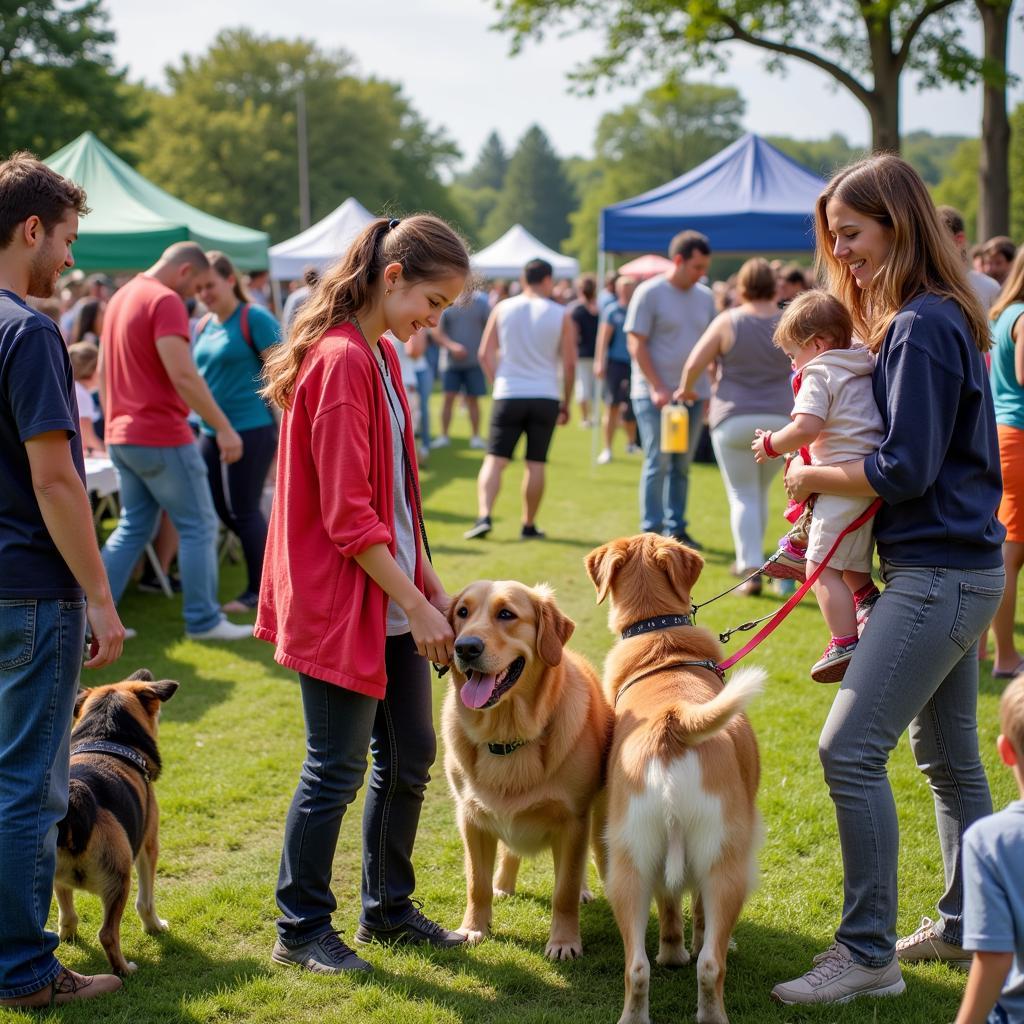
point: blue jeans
(665, 478)
(174, 479)
(424, 385)
(916, 666)
(41, 645)
(340, 725)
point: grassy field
(232, 743)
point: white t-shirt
(985, 287)
(530, 342)
(836, 387)
(86, 403)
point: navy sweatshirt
(937, 469)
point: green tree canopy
(537, 193)
(491, 166)
(58, 77)
(224, 138)
(672, 128)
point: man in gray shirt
(666, 317)
(459, 334)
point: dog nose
(469, 647)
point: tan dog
(682, 774)
(112, 819)
(526, 732)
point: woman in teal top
(229, 345)
(1007, 378)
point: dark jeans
(340, 724)
(237, 489)
(41, 645)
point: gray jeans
(916, 665)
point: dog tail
(690, 724)
(74, 831)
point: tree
(537, 193)
(1017, 173)
(59, 78)
(864, 45)
(993, 168)
(491, 166)
(673, 127)
(959, 187)
(224, 138)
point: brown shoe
(66, 987)
(927, 944)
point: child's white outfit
(836, 387)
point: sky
(459, 76)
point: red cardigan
(334, 498)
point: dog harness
(707, 663)
(655, 623)
(118, 750)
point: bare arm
(846, 478)
(985, 982)
(64, 506)
(415, 346)
(604, 340)
(708, 348)
(453, 347)
(638, 349)
(803, 429)
(176, 356)
(430, 629)
(1018, 349)
(101, 377)
(489, 345)
(569, 333)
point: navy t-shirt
(937, 469)
(37, 394)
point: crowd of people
(896, 382)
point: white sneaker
(224, 630)
(837, 978)
(442, 441)
(422, 452)
(605, 457)
(477, 442)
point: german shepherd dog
(112, 814)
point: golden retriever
(682, 773)
(526, 731)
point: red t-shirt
(142, 405)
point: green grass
(232, 743)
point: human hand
(431, 632)
(563, 415)
(757, 446)
(682, 395)
(797, 479)
(230, 445)
(107, 633)
(660, 397)
(457, 351)
(599, 369)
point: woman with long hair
(1007, 377)
(889, 259)
(231, 342)
(88, 322)
(349, 598)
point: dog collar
(132, 757)
(657, 622)
(506, 748)
(707, 663)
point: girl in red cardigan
(347, 597)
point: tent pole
(595, 398)
(275, 290)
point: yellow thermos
(675, 428)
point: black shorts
(513, 417)
(616, 387)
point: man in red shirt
(148, 383)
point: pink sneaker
(832, 665)
(864, 610)
(788, 562)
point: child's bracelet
(766, 438)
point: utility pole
(303, 147)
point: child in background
(84, 356)
(836, 416)
(993, 874)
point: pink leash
(776, 619)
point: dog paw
(473, 937)
(586, 896)
(128, 968)
(156, 926)
(502, 894)
(673, 956)
(564, 949)
(69, 935)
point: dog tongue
(477, 690)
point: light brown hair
(424, 245)
(756, 280)
(923, 257)
(1011, 715)
(1002, 245)
(815, 314)
(221, 265)
(84, 356)
(1013, 287)
(28, 188)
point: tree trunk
(994, 167)
(885, 117)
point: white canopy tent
(320, 245)
(509, 254)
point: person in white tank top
(527, 340)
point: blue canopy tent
(750, 197)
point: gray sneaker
(927, 944)
(837, 978)
(326, 954)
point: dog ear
(681, 566)
(553, 630)
(602, 564)
(142, 675)
(452, 605)
(79, 701)
(161, 691)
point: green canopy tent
(133, 221)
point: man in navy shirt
(50, 567)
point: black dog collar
(505, 748)
(132, 757)
(658, 622)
